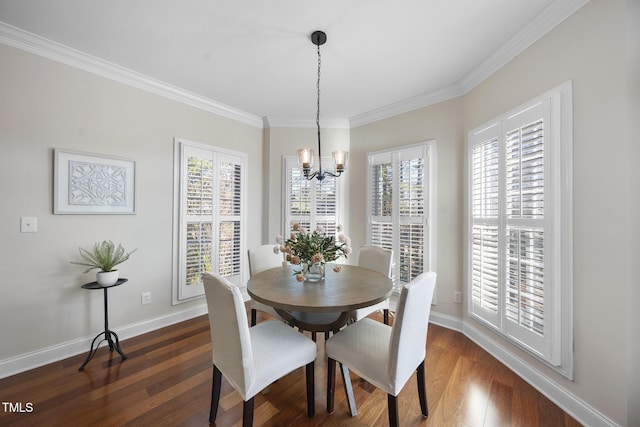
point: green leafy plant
(104, 256)
(303, 248)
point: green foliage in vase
(104, 256)
(304, 248)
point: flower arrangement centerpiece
(309, 251)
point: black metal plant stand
(109, 336)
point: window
(310, 203)
(209, 216)
(519, 230)
(401, 207)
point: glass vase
(314, 272)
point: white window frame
(555, 346)
(291, 163)
(428, 151)
(181, 292)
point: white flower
(347, 250)
(279, 239)
(339, 228)
(320, 229)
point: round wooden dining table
(323, 306)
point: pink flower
(276, 250)
(339, 228)
(320, 229)
(347, 250)
(279, 239)
(317, 258)
(296, 226)
(300, 277)
(295, 260)
(337, 268)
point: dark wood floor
(166, 381)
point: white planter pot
(107, 278)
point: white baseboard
(574, 406)
(35, 359)
(570, 403)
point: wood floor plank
(166, 381)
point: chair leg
(392, 401)
(348, 390)
(385, 315)
(215, 393)
(247, 413)
(422, 390)
(331, 384)
(254, 316)
(311, 399)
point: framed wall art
(87, 183)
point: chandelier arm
(335, 175)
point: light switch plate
(28, 224)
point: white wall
(588, 49)
(46, 105)
(633, 249)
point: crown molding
(547, 20)
(404, 106)
(32, 43)
(275, 122)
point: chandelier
(305, 155)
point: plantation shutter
(381, 200)
(310, 203)
(509, 241)
(411, 200)
(198, 219)
(485, 235)
(229, 214)
(525, 294)
(210, 210)
(398, 208)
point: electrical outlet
(457, 297)
(146, 298)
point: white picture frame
(86, 183)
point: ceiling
(256, 56)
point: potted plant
(104, 256)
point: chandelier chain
(318, 89)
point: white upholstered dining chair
(387, 356)
(260, 259)
(251, 358)
(380, 260)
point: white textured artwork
(97, 184)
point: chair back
(407, 346)
(263, 258)
(376, 258)
(230, 337)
